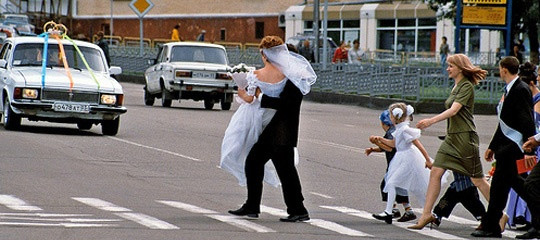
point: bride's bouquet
(239, 74)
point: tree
(525, 19)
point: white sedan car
(58, 93)
(190, 70)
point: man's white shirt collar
(509, 85)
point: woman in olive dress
(459, 151)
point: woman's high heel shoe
(421, 224)
(503, 221)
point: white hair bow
(410, 110)
(397, 112)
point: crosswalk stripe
(460, 220)
(45, 215)
(363, 214)
(232, 220)
(69, 225)
(74, 220)
(17, 204)
(331, 226)
(143, 219)
(100, 204)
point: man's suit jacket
(283, 128)
(516, 113)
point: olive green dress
(459, 150)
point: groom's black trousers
(283, 159)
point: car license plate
(203, 75)
(69, 107)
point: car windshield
(30, 54)
(198, 54)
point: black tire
(208, 104)
(166, 100)
(11, 120)
(110, 127)
(84, 125)
(148, 98)
(225, 105)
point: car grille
(74, 96)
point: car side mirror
(115, 70)
(3, 63)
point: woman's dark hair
(292, 48)
(527, 73)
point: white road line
(45, 215)
(156, 149)
(72, 220)
(331, 226)
(69, 225)
(100, 204)
(363, 214)
(321, 195)
(17, 204)
(232, 220)
(331, 144)
(455, 219)
(143, 219)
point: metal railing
(384, 75)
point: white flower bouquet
(239, 74)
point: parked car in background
(190, 70)
(53, 94)
(299, 40)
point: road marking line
(17, 204)
(331, 226)
(100, 204)
(45, 215)
(68, 225)
(331, 144)
(231, 220)
(143, 219)
(156, 149)
(455, 219)
(72, 220)
(321, 195)
(363, 214)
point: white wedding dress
(244, 129)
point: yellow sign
(484, 1)
(484, 15)
(141, 7)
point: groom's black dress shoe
(295, 218)
(532, 233)
(486, 234)
(244, 212)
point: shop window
(351, 23)
(259, 30)
(427, 22)
(405, 41)
(334, 24)
(406, 22)
(387, 23)
(385, 39)
(426, 40)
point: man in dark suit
(515, 126)
(277, 142)
(532, 185)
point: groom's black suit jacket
(283, 128)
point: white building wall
(368, 27)
(293, 21)
(489, 40)
(445, 28)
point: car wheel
(11, 120)
(166, 101)
(148, 98)
(225, 105)
(110, 127)
(208, 104)
(84, 125)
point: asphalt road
(158, 178)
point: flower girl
(408, 169)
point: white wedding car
(58, 93)
(190, 70)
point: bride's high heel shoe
(421, 224)
(503, 221)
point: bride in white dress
(250, 119)
(244, 129)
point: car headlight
(108, 99)
(29, 93)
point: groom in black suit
(516, 124)
(277, 142)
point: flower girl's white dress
(244, 129)
(407, 168)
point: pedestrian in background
(517, 54)
(444, 49)
(104, 46)
(175, 35)
(355, 54)
(516, 124)
(459, 150)
(340, 55)
(306, 51)
(200, 38)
